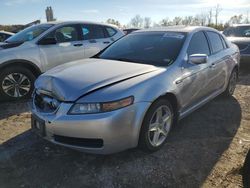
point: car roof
(185, 29)
(238, 25)
(78, 22)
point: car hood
(73, 80)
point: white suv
(36, 49)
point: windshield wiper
(125, 59)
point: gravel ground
(206, 149)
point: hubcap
(232, 83)
(16, 85)
(160, 125)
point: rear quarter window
(110, 31)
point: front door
(194, 76)
(68, 48)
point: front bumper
(112, 131)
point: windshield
(242, 31)
(156, 48)
(29, 33)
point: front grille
(80, 142)
(45, 103)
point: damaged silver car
(132, 93)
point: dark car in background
(5, 35)
(128, 31)
(240, 35)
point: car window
(223, 42)
(239, 31)
(29, 33)
(216, 42)
(92, 32)
(111, 32)
(66, 34)
(155, 48)
(3, 37)
(198, 44)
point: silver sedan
(132, 93)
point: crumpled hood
(72, 80)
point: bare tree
(210, 16)
(137, 21)
(165, 22)
(177, 21)
(188, 20)
(147, 22)
(247, 21)
(114, 22)
(217, 13)
(236, 19)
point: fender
(33, 67)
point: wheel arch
(24, 63)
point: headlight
(91, 108)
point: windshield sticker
(174, 35)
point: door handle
(106, 42)
(92, 41)
(77, 45)
(213, 65)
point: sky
(25, 11)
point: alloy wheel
(160, 125)
(16, 85)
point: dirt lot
(206, 149)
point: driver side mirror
(47, 41)
(198, 58)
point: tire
(246, 172)
(231, 84)
(153, 128)
(16, 83)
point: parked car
(131, 93)
(240, 35)
(246, 171)
(39, 48)
(5, 35)
(128, 31)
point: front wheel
(16, 83)
(156, 126)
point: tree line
(209, 18)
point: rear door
(194, 79)
(94, 39)
(69, 46)
(217, 67)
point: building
(49, 14)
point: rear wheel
(231, 84)
(156, 126)
(16, 83)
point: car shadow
(8, 109)
(194, 147)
